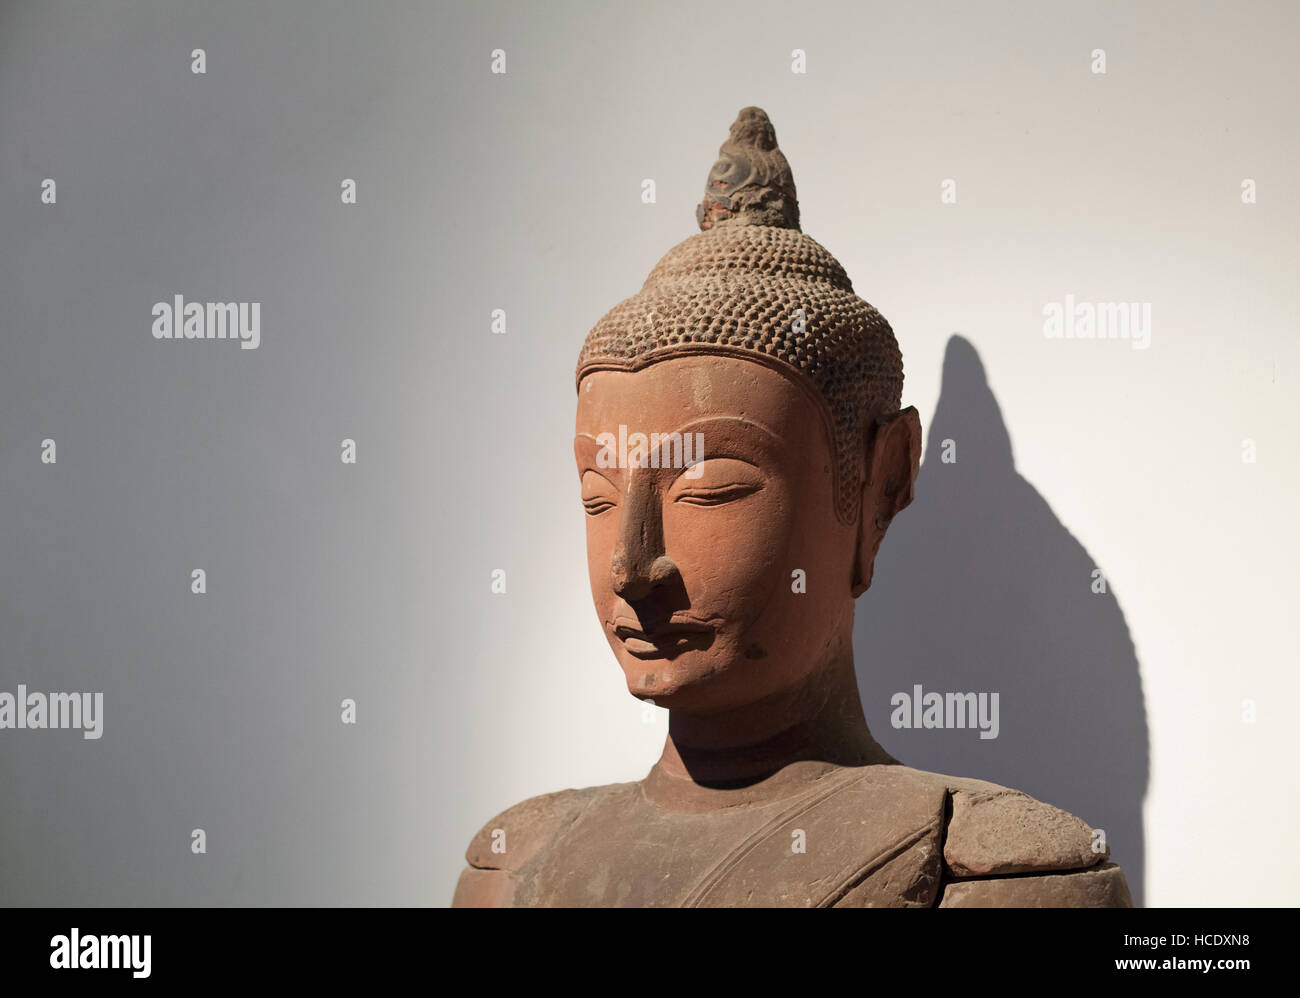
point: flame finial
(751, 183)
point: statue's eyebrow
(585, 449)
(716, 436)
(729, 425)
(733, 423)
(586, 445)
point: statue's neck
(740, 754)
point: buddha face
(725, 582)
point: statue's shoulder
(503, 845)
(516, 834)
(994, 836)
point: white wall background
(522, 192)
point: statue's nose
(629, 583)
(632, 582)
(639, 563)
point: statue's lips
(668, 638)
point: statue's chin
(661, 682)
(687, 682)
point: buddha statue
(742, 450)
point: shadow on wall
(980, 588)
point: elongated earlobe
(892, 462)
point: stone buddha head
(742, 451)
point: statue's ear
(892, 460)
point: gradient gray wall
(522, 192)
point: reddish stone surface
(726, 591)
(1103, 887)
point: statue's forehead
(694, 387)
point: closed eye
(716, 495)
(598, 493)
